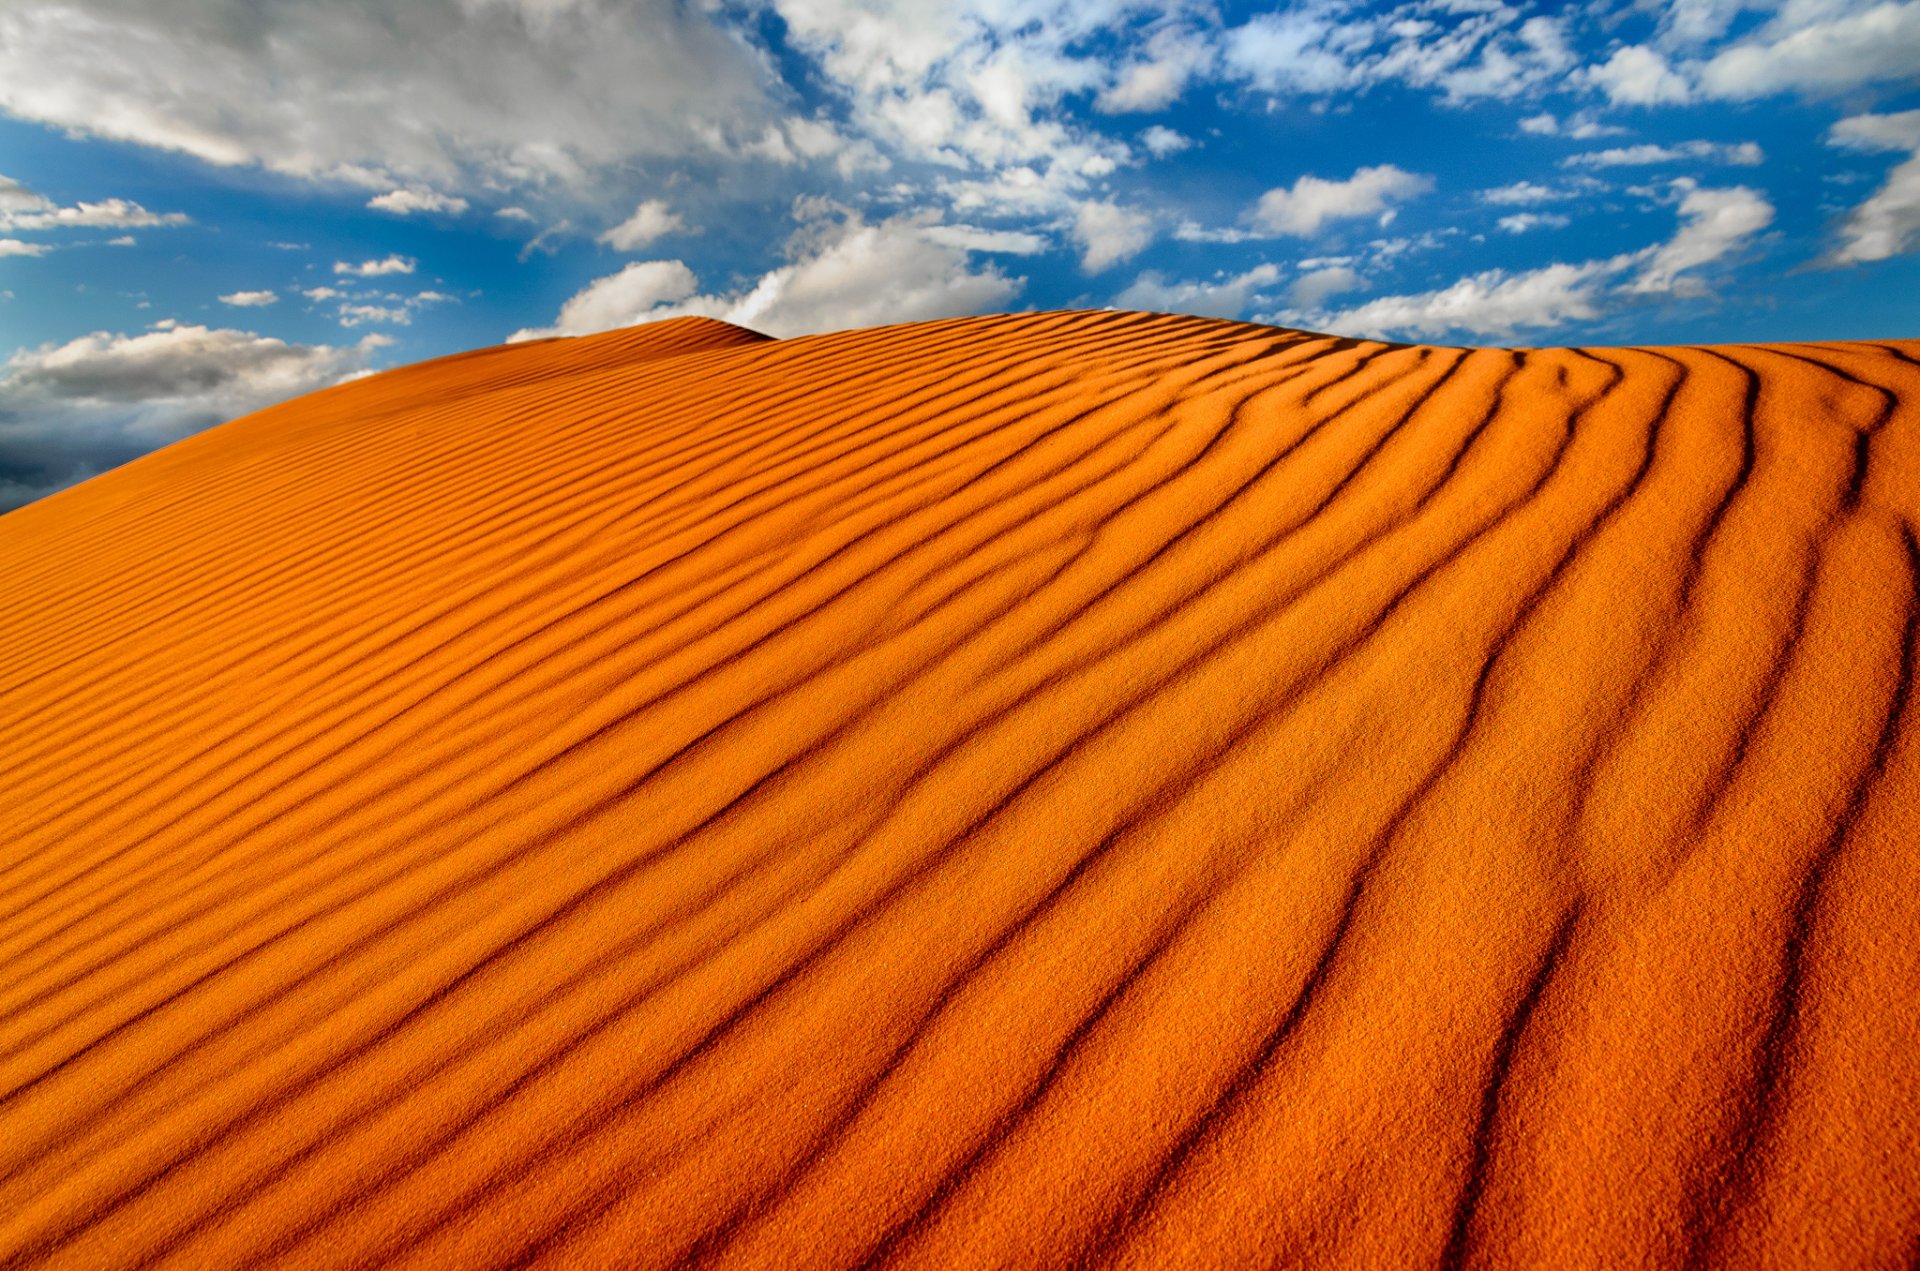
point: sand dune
(1085, 787)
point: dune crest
(1071, 788)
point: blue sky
(207, 205)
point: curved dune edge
(1077, 787)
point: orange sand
(1000, 792)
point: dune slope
(1038, 790)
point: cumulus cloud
(1162, 141)
(248, 299)
(431, 92)
(15, 247)
(1887, 223)
(651, 220)
(982, 86)
(1498, 303)
(106, 214)
(1820, 47)
(1221, 297)
(1463, 51)
(1639, 76)
(68, 411)
(992, 88)
(394, 264)
(407, 202)
(844, 272)
(1108, 234)
(1741, 154)
(1305, 49)
(1313, 201)
(623, 299)
(1314, 288)
(1877, 133)
(22, 209)
(1491, 303)
(1579, 126)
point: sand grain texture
(1044, 790)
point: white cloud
(248, 299)
(1323, 46)
(972, 238)
(407, 202)
(1388, 248)
(1638, 76)
(651, 220)
(981, 86)
(318, 294)
(22, 209)
(1522, 193)
(1497, 303)
(15, 197)
(845, 272)
(1222, 297)
(1887, 223)
(1313, 201)
(1190, 231)
(1491, 303)
(1162, 141)
(430, 91)
(1311, 290)
(1880, 133)
(1694, 22)
(106, 214)
(395, 264)
(1820, 46)
(360, 315)
(1306, 49)
(1713, 224)
(1740, 154)
(1521, 222)
(1173, 57)
(1108, 234)
(623, 299)
(514, 214)
(70, 410)
(1580, 127)
(14, 247)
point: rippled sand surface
(1026, 791)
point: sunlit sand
(1019, 791)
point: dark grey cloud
(68, 411)
(381, 94)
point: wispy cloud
(1745, 154)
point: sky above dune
(208, 206)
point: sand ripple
(1050, 789)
